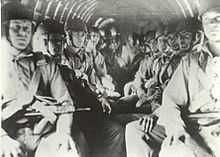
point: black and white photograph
(110, 78)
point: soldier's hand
(129, 89)
(147, 123)
(113, 94)
(174, 138)
(106, 107)
(140, 102)
(216, 131)
(10, 147)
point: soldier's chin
(213, 36)
(20, 46)
(215, 39)
(78, 44)
(57, 50)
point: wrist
(66, 132)
(64, 123)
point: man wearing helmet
(50, 38)
(105, 137)
(34, 98)
(190, 106)
(99, 63)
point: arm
(174, 96)
(59, 91)
(9, 146)
(143, 74)
(62, 137)
(15, 104)
(100, 65)
(140, 75)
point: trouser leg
(136, 145)
(195, 146)
(48, 147)
(105, 137)
(80, 140)
(29, 141)
(213, 142)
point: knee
(178, 150)
(131, 128)
(47, 147)
(116, 128)
(118, 132)
(111, 132)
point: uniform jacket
(189, 90)
(17, 77)
(81, 61)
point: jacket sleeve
(100, 66)
(141, 73)
(59, 91)
(57, 85)
(175, 97)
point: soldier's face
(185, 40)
(161, 44)
(94, 37)
(130, 40)
(56, 44)
(78, 38)
(153, 45)
(114, 45)
(173, 41)
(20, 33)
(211, 25)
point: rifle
(205, 118)
(40, 114)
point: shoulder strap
(35, 81)
(40, 71)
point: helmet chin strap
(21, 50)
(70, 41)
(73, 45)
(47, 45)
(10, 43)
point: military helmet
(76, 25)
(52, 26)
(13, 11)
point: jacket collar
(204, 54)
(10, 54)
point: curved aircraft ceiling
(132, 14)
(129, 15)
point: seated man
(35, 102)
(99, 63)
(190, 106)
(51, 36)
(146, 87)
(114, 62)
(104, 136)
